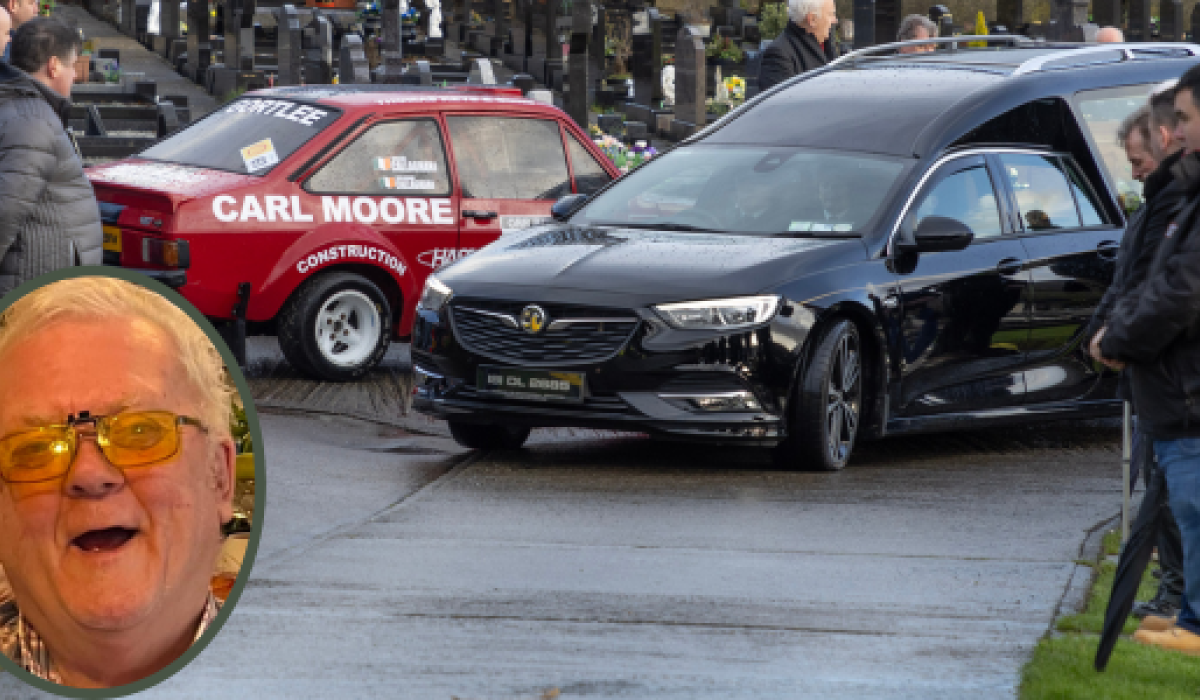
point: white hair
(799, 9)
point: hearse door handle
(1108, 249)
(1009, 266)
(478, 214)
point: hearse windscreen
(249, 136)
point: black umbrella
(1135, 555)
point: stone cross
(689, 83)
(288, 46)
(1170, 20)
(352, 61)
(578, 79)
(197, 37)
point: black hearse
(892, 244)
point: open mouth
(107, 540)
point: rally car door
(395, 177)
(510, 169)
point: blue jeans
(1180, 462)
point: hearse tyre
(487, 437)
(336, 326)
(827, 408)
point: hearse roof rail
(1107, 53)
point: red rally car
(328, 206)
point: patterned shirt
(21, 643)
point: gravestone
(1011, 13)
(499, 27)
(168, 28)
(352, 61)
(1069, 17)
(197, 38)
(424, 73)
(129, 17)
(288, 46)
(1139, 21)
(1106, 13)
(647, 61)
(318, 55)
(391, 64)
(481, 73)
(579, 78)
(1170, 20)
(689, 84)
(864, 23)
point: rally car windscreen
(249, 136)
(761, 190)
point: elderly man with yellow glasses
(116, 475)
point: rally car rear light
(156, 251)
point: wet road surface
(394, 564)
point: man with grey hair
(916, 27)
(805, 43)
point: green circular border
(260, 489)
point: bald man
(1110, 35)
(5, 27)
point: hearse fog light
(720, 314)
(732, 401)
(435, 295)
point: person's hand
(1098, 355)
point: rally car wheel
(336, 327)
(827, 408)
(485, 437)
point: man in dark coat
(806, 43)
(1147, 138)
(49, 218)
(1156, 331)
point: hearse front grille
(573, 335)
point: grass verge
(1061, 667)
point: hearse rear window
(250, 136)
(1103, 111)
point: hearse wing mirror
(566, 206)
(937, 234)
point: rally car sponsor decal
(443, 256)
(364, 210)
(508, 224)
(259, 155)
(283, 109)
(400, 164)
(347, 252)
(406, 182)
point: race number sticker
(259, 155)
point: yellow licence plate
(112, 239)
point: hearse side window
(1043, 196)
(508, 158)
(1085, 197)
(589, 176)
(392, 158)
(967, 196)
(1102, 112)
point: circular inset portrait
(127, 489)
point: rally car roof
(376, 94)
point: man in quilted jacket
(49, 218)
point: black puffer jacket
(1143, 232)
(1157, 328)
(49, 218)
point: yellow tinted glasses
(133, 439)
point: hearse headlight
(720, 314)
(435, 295)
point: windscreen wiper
(663, 226)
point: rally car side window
(509, 158)
(589, 175)
(398, 157)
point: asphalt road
(394, 564)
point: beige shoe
(1175, 639)
(1157, 623)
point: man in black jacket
(1156, 330)
(1148, 141)
(49, 218)
(805, 43)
